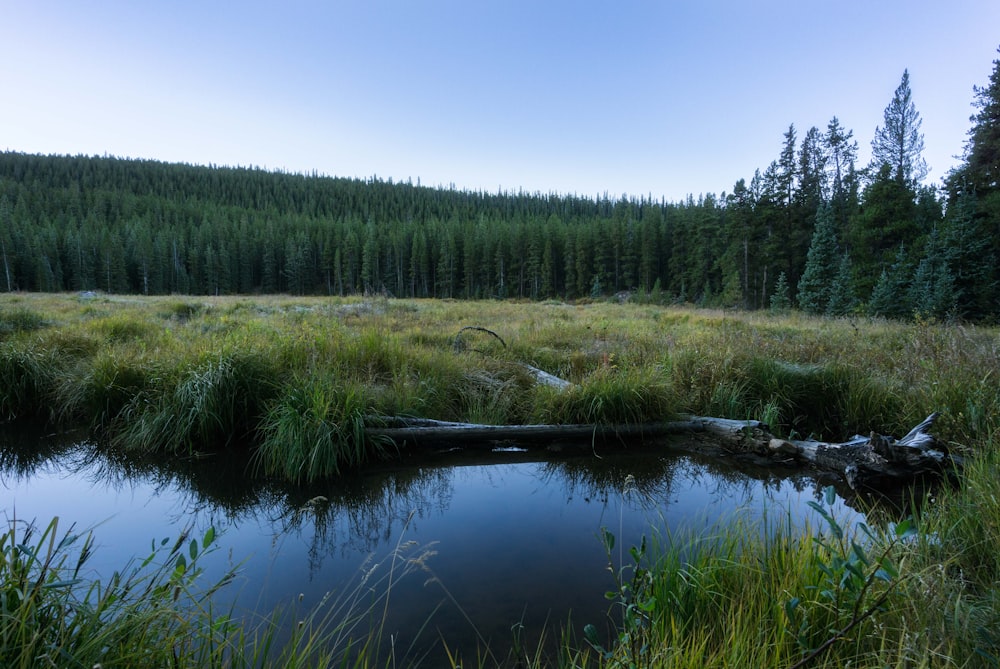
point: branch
(459, 345)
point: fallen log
(866, 460)
(861, 461)
(473, 435)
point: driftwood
(541, 377)
(866, 460)
(861, 461)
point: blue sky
(664, 98)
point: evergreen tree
(886, 220)
(5, 242)
(932, 292)
(890, 297)
(980, 170)
(446, 270)
(816, 285)
(979, 177)
(813, 185)
(843, 301)
(841, 153)
(743, 242)
(966, 253)
(899, 143)
(371, 274)
(780, 298)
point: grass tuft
(216, 403)
(26, 379)
(610, 396)
(314, 430)
(148, 615)
(20, 319)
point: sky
(664, 99)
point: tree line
(812, 230)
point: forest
(813, 230)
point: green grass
(314, 429)
(147, 615)
(763, 594)
(179, 376)
(158, 611)
(610, 396)
(291, 382)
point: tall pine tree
(899, 143)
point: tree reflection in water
(497, 516)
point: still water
(479, 545)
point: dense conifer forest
(812, 230)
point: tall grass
(610, 396)
(158, 611)
(25, 378)
(148, 615)
(315, 429)
(765, 594)
(20, 319)
(164, 374)
(294, 381)
(213, 404)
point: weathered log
(472, 435)
(543, 378)
(862, 461)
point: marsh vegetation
(291, 383)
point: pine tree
(780, 298)
(899, 142)
(813, 186)
(815, 286)
(887, 219)
(890, 297)
(5, 226)
(981, 168)
(978, 178)
(932, 292)
(843, 301)
(966, 252)
(841, 152)
(371, 275)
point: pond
(480, 545)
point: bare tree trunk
(6, 267)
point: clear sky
(666, 98)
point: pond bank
(240, 374)
(492, 542)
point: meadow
(294, 382)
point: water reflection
(514, 533)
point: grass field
(295, 381)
